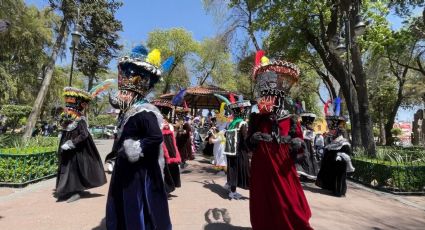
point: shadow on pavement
(102, 225)
(219, 219)
(312, 188)
(87, 195)
(215, 188)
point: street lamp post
(359, 29)
(76, 35)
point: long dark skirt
(332, 174)
(80, 168)
(238, 170)
(171, 177)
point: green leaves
(14, 113)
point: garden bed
(390, 176)
(20, 167)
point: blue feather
(139, 51)
(178, 98)
(167, 64)
(337, 106)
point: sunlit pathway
(202, 195)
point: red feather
(232, 98)
(258, 57)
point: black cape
(332, 175)
(137, 198)
(80, 168)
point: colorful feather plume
(167, 64)
(264, 60)
(258, 56)
(222, 98)
(139, 51)
(154, 57)
(232, 98)
(337, 106)
(178, 98)
(103, 86)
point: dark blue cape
(137, 198)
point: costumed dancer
(277, 199)
(183, 137)
(80, 166)
(137, 197)
(219, 140)
(336, 160)
(236, 148)
(308, 167)
(172, 158)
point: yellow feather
(265, 60)
(154, 57)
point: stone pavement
(202, 200)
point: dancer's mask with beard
(136, 78)
(272, 84)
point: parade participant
(277, 199)
(183, 137)
(172, 158)
(137, 197)
(319, 145)
(80, 166)
(218, 140)
(308, 167)
(236, 149)
(336, 161)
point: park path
(202, 196)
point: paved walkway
(202, 200)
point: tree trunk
(391, 117)
(383, 136)
(166, 88)
(32, 119)
(90, 83)
(363, 99)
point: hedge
(19, 167)
(398, 178)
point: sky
(139, 17)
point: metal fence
(19, 167)
(391, 176)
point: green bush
(390, 175)
(14, 113)
(103, 120)
(25, 165)
(24, 162)
(15, 141)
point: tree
(23, 50)
(176, 42)
(68, 9)
(100, 41)
(212, 63)
(311, 28)
(14, 113)
(240, 14)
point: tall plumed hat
(141, 70)
(74, 97)
(273, 77)
(240, 103)
(333, 113)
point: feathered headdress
(141, 70)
